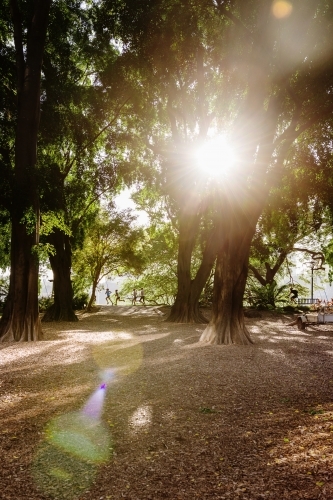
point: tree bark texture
(61, 263)
(20, 320)
(92, 297)
(186, 306)
(227, 325)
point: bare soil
(125, 405)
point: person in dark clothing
(293, 294)
(117, 296)
(142, 296)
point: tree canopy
(211, 107)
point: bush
(266, 297)
(44, 303)
(303, 308)
(289, 309)
(80, 300)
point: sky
(123, 200)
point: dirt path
(125, 405)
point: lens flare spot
(94, 406)
(80, 435)
(122, 358)
(106, 375)
(281, 9)
(60, 475)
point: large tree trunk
(20, 320)
(61, 263)
(227, 325)
(186, 306)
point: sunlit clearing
(121, 359)
(215, 157)
(281, 9)
(141, 418)
(94, 406)
(81, 436)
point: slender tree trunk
(227, 325)
(92, 297)
(61, 263)
(20, 321)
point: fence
(305, 302)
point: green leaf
(206, 410)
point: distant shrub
(303, 308)
(289, 308)
(44, 303)
(80, 300)
(267, 297)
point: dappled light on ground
(137, 310)
(122, 358)
(85, 336)
(137, 408)
(141, 418)
(274, 353)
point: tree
(183, 92)
(20, 320)
(88, 134)
(280, 103)
(159, 277)
(238, 65)
(270, 99)
(285, 228)
(111, 247)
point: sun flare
(281, 9)
(215, 157)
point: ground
(123, 404)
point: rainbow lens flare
(81, 435)
(75, 445)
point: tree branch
(257, 275)
(89, 143)
(18, 42)
(318, 256)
